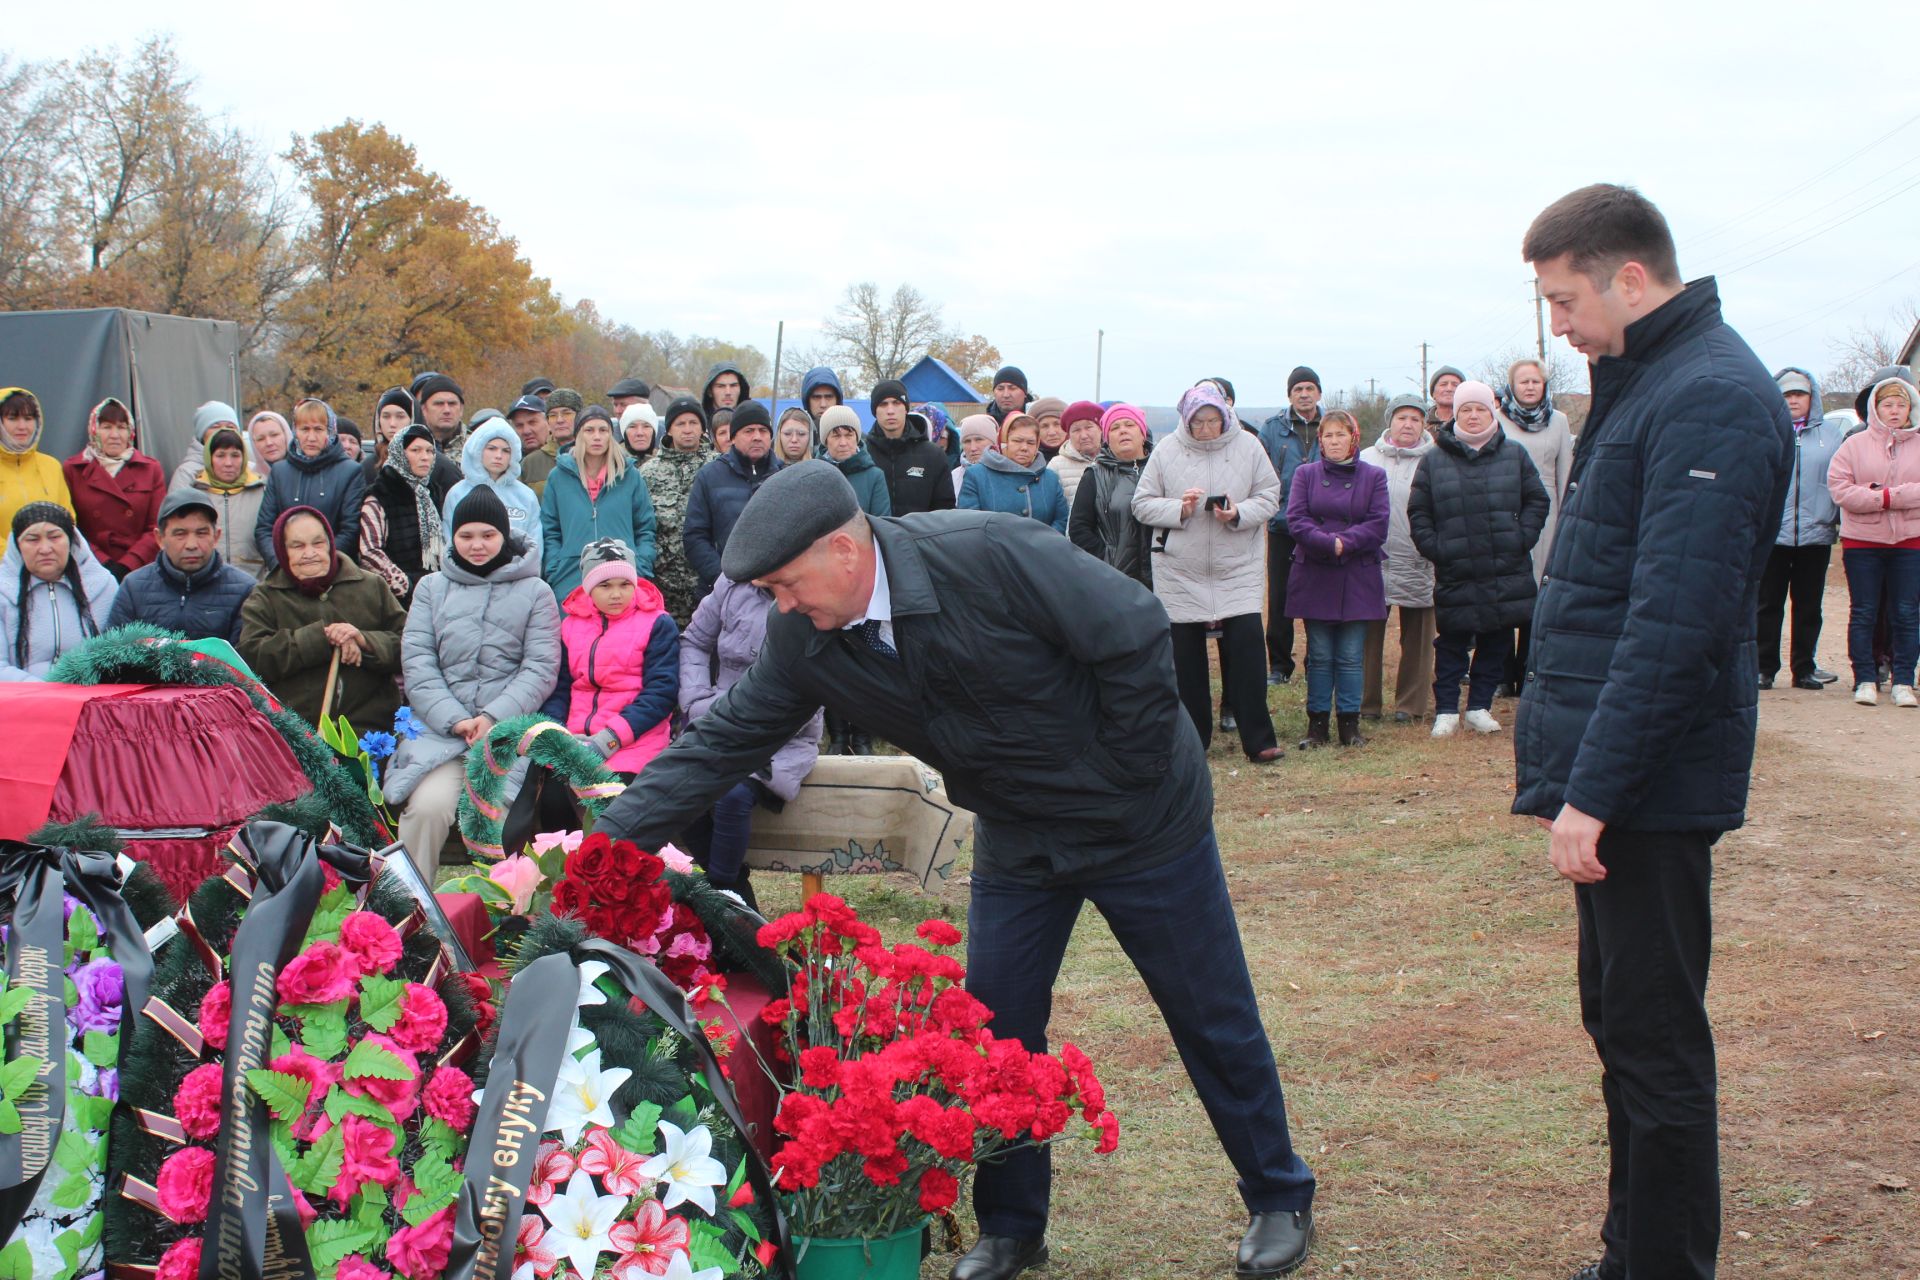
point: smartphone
(1216, 501)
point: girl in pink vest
(620, 677)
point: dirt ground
(1414, 958)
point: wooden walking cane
(333, 678)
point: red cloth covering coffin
(175, 768)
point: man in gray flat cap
(1040, 683)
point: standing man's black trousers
(1645, 935)
(1799, 572)
(1279, 625)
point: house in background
(934, 379)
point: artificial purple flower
(102, 989)
(106, 1084)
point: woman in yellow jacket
(26, 474)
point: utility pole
(1370, 391)
(779, 337)
(1099, 358)
(1424, 384)
(1539, 325)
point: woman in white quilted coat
(1210, 492)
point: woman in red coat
(116, 491)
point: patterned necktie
(870, 632)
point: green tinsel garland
(483, 803)
(129, 655)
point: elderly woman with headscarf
(1528, 417)
(314, 604)
(26, 474)
(402, 535)
(1015, 478)
(1213, 490)
(315, 473)
(669, 475)
(53, 592)
(1101, 522)
(116, 490)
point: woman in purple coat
(720, 643)
(1337, 514)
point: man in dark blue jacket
(721, 490)
(188, 588)
(1634, 741)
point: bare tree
(35, 232)
(882, 336)
(1563, 375)
(1871, 345)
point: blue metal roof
(934, 379)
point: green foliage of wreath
(140, 653)
(490, 760)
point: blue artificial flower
(405, 725)
(377, 745)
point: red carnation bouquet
(900, 1088)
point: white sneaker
(1445, 726)
(1903, 696)
(1868, 695)
(1482, 722)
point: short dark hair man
(722, 487)
(1087, 777)
(441, 403)
(188, 588)
(1634, 740)
(1292, 437)
(917, 473)
(820, 391)
(1010, 393)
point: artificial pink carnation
(374, 943)
(421, 1252)
(321, 1075)
(196, 1103)
(449, 1097)
(321, 974)
(401, 1097)
(185, 1184)
(181, 1261)
(216, 1008)
(423, 1020)
(308, 1214)
(355, 1267)
(368, 1158)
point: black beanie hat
(1300, 375)
(751, 414)
(1226, 388)
(481, 506)
(1011, 373)
(888, 389)
(348, 427)
(433, 384)
(398, 397)
(588, 414)
(42, 513)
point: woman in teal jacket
(840, 444)
(593, 492)
(1014, 478)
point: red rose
(938, 1190)
(593, 860)
(569, 899)
(374, 943)
(423, 1020)
(196, 1103)
(216, 1009)
(185, 1184)
(321, 974)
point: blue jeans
(1480, 658)
(1870, 570)
(1176, 924)
(1336, 665)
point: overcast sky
(1224, 189)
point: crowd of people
(297, 539)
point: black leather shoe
(1000, 1258)
(862, 744)
(1228, 724)
(1808, 682)
(1277, 676)
(1824, 676)
(1766, 682)
(1275, 1244)
(1592, 1271)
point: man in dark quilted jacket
(1635, 734)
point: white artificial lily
(580, 1218)
(582, 1096)
(591, 972)
(578, 1039)
(680, 1269)
(683, 1163)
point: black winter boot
(1350, 730)
(1316, 730)
(837, 730)
(862, 743)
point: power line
(1801, 321)
(1818, 232)
(1842, 199)
(1793, 191)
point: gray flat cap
(793, 509)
